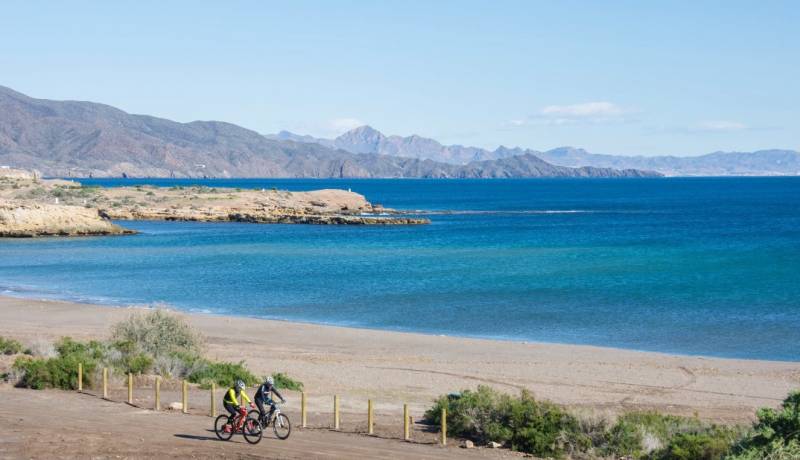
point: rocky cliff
(33, 207)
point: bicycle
(250, 427)
(280, 422)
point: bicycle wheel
(219, 428)
(281, 426)
(252, 430)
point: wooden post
(157, 405)
(105, 383)
(130, 388)
(80, 377)
(213, 401)
(185, 399)
(303, 415)
(406, 434)
(444, 426)
(336, 412)
(370, 420)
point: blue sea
(701, 266)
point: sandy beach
(392, 368)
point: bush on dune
(155, 341)
(775, 434)
(60, 371)
(528, 425)
(283, 381)
(548, 430)
(158, 333)
(9, 346)
(653, 435)
(222, 374)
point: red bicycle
(249, 426)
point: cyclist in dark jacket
(264, 396)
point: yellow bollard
(303, 415)
(406, 435)
(444, 426)
(185, 399)
(157, 405)
(80, 377)
(370, 420)
(213, 401)
(130, 388)
(105, 383)
(336, 412)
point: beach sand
(393, 368)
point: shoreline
(110, 303)
(360, 363)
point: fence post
(213, 401)
(444, 426)
(406, 434)
(336, 412)
(370, 420)
(130, 388)
(80, 377)
(185, 399)
(157, 405)
(105, 383)
(303, 417)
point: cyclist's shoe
(227, 429)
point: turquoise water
(705, 266)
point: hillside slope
(366, 139)
(79, 139)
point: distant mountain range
(80, 139)
(368, 140)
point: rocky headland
(30, 206)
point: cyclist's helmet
(270, 380)
(240, 384)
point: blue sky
(622, 77)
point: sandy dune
(393, 368)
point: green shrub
(624, 439)
(528, 425)
(60, 371)
(775, 432)
(128, 359)
(223, 374)
(9, 346)
(158, 333)
(711, 445)
(284, 381)
(776, 450)
(34, 373)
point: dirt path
(57, 424)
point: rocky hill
(80, 139)
(365, 139)
(759, 163)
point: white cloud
(585, 110)
(341, 125)
(585, 113)
(719, 126)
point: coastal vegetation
(156, 342)
(545, 429)
(9, 346)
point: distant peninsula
(31, 206)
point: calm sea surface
(697, 266)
